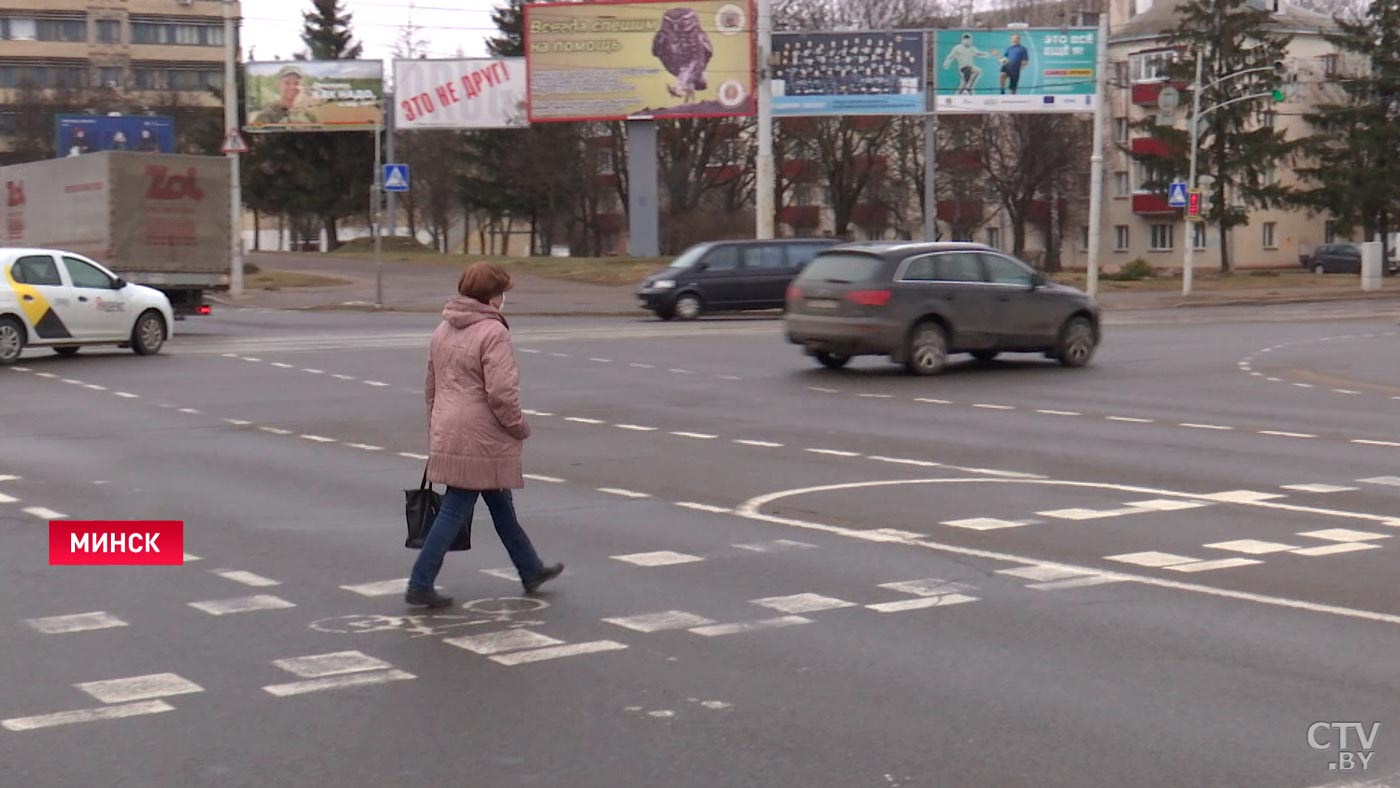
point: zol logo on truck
(165, 186)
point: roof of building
(1162, 18)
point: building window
(1270, 235)
(110, 77)
(1271, 175)
(1120, 130)
(158, 78)
(1329, 232)
(109, 31)
(1266, 119)
(1198, 235)
(15, 28)
(176, 34)
(62, 76)
(1084, 238)
(1331, 65)
(1122, 187)
(1161, 238)
(1151, 66)
(994, 237)
(1120, 237)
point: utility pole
(765, 179)
(1096, 159)
(235, 186)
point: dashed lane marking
(704, 507)
(1208, 566)
(1153, 559)
(534, 477)
(1318, 488)
(1048, 412)
(658, 558)
(318, 439)
(1336, 549)
(408, 455)
(1344, 535)
(987, 523)
(802, 603)
(635, 428)
(719, 630)
(760, 444)
(246, 604)
(921, 603)
(503, 641)
(660, 622)
(704, 436)
(246, 578)
(123, 711)
(151, 687)
(833, 452)
(335, 664)
(581, 420)
(556, 652)
(44, 513)
(79, 622)
(337, 682)
(623, 493)
(1252, 546)
(1283, 434)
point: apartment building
(1137, 222)
(131, 56)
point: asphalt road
(1162, 570)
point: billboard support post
(1096, 162)
(930, 173)
(765, 186)
(643, 217)
(375, 190)
(235, 191)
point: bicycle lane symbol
(481, 612)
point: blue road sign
(1176, 195)
(396, 178)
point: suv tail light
(870, 297)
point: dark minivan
(728, 276)
(920, 302)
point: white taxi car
(57, 299)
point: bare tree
(1024, 159)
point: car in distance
(57, 299)
(728, 276)
(920, 302)
(1341, 258)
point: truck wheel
(148, 335)
(11, 340)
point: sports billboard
(1016, 70)
(849, 74)
(315, 95)
(459, 94)
(645, 58)
(75, 135)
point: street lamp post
(235, 191)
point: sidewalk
(423, 287)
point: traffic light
(1285, 82)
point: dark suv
(919, 302)
(1343, 258)
(728, 276)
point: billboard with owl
(849, 74)
(644, 58)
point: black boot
(426, 597)
(547, 574)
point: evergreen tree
(1354, 154)
(510, 20)
(326, 32)
(1235, 149)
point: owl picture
(685, 50)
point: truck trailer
(158, 220)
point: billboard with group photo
(1016, 70)
(475, 93)
(79, 134)
(849, 73)
(644, 58)
(315, 95)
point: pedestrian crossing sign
(1176, 195)
(396, 177)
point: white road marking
(237, 422)
(252, 359)
(318, 438)
(342, 377)
(1344, 535)
(1253, 546)
(1077, 582)
(1091, 514)
(79, 622)
(833, 452)
(72, 382)
(8, 478)
(730, 377)
(921, 603)
(503, 641)
(335, 664)
(189, 558)
(8, 498)
(876, 396)
(1166, 505)
(246, 578)
(1241, 496)
(1391, 444)
(623, 493)
(1389, 481)
(1334, 549)
(1059, 413)
(560, 355)
(719, 630)
(95, 387)
(246, 604)
(682, 371)
(314, 371)
(703, 507)
(534, 477)
(126, 395)
(281, 365)
(987, 523)
(702, 436)
(931, 586)
(580, 420)
(658, 558)
(44, 513)
(504, 574)
(635, 427)
(365, 446)
(1282, 434)
(337, 682)
(1207, 566)
(601, 360)
(775, 546)
(1345, 391)
(642, 366)
(20, 369)
(1152, 559)
(903, 461)
(381, 588)
(992, 407)
(1318, 488)
(1275, 380)
(18, 724)
(528, 350)
(660, 622)
(276, 430)
(1304, 385)
(375, 383)
(156, 685)
(930, 401)
(1040, 573)
(408, 455)
(1194, 426)
(761, 444)
(802, 603)
(557, 652)
(1129, 419)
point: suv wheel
(928, 350)
(1076, 343)
(1319, 269)
(148, 336)
(831, 360)
(688, 306)
(11, 340)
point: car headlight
(663, 284)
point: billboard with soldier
(315, 95)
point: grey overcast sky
(271, 28)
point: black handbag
(421, 507)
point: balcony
(607, 180)
(1152, 205)
(871, 215)
(801, 215)
(1151, 146)
(871, 165)
(960, 160)
(722, 174)
(960, 211)
(799, 170)
(1040, 210)
(1145, 93)
(610, 222)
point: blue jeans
(456, 514)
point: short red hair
(484, 281)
